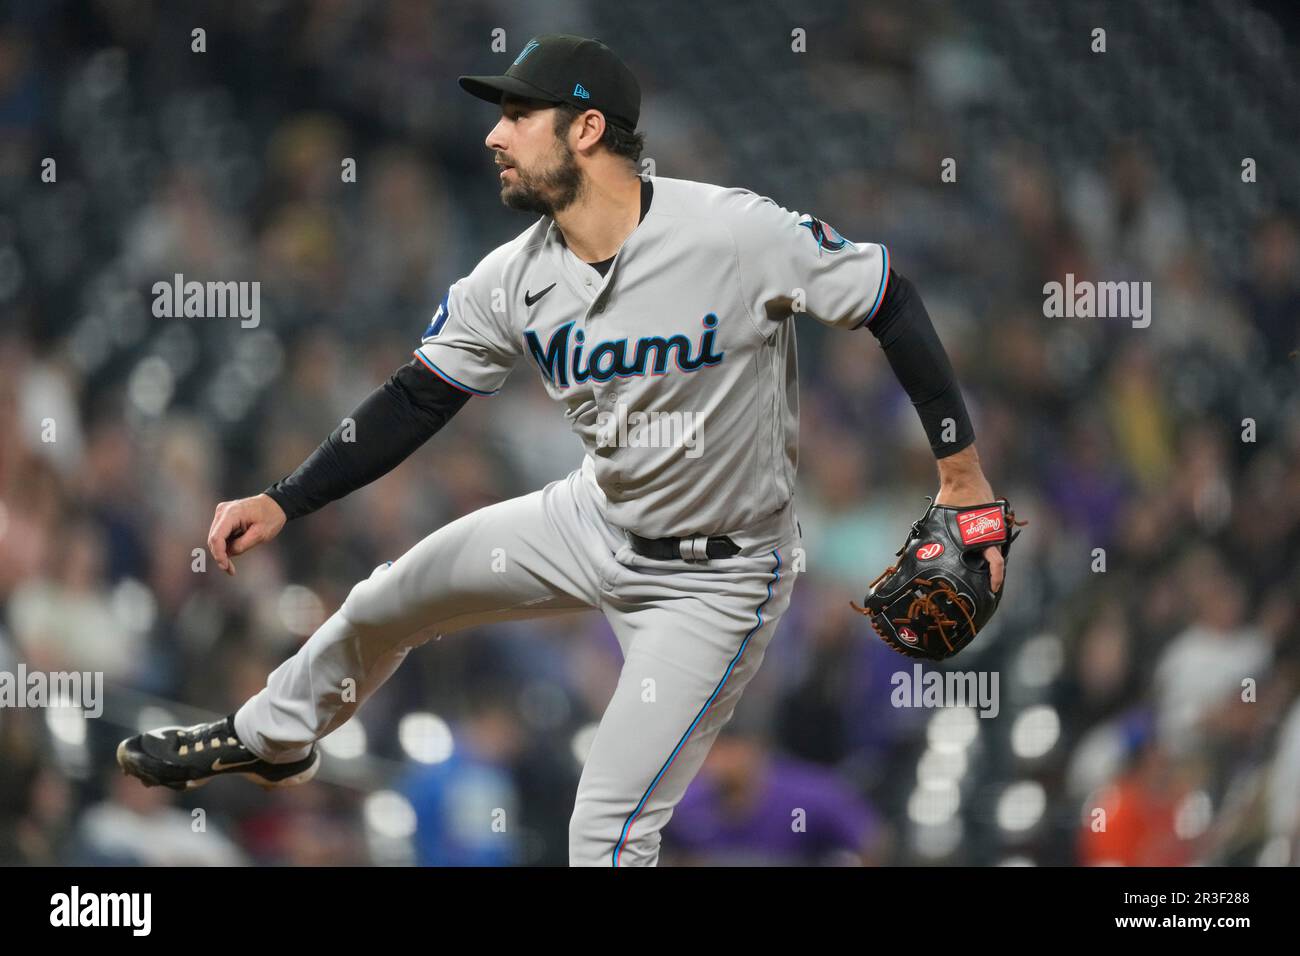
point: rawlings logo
(908, 635)
(982, 525)
(927, 551)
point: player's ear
(588, 129)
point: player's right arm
(465, 351)
(391, 423)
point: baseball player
(661, 315)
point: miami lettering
(563, 365)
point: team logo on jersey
(825, 234)
(619, 358)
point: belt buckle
(693, 548)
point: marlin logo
(825, 234)
(611, 358)
(580, 92)
(529, 47)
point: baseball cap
(560, 68)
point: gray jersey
(694, 317)
(677, 368)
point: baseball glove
(938, 596)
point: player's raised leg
(539, 554)
(692, 640)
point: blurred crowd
(1148, 647)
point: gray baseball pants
(692, 634)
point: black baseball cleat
(187, 757)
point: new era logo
(581, 93)
(981, 525)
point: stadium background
(1118, 689)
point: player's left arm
(784, 255)
(902, 326)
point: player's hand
(997, 568)
(997, 563)
(240, 526)
(961, 483)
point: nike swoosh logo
(218, 765)
(530, 299)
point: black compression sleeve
(391, 423)
(918, 359)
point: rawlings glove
(938, 596)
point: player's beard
(546, 191)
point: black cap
(560, 68)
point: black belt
(687, 549)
